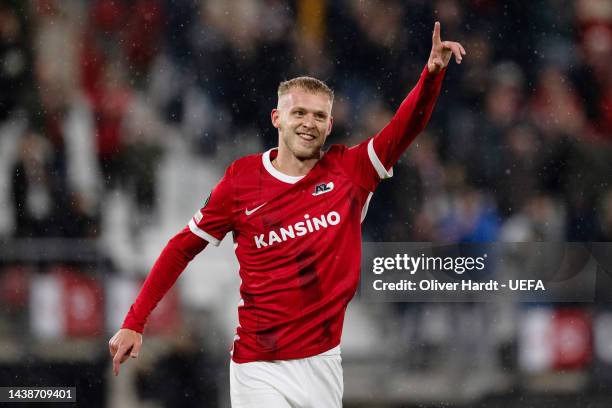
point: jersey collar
(274, 172)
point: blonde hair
(308, 84)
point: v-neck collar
(274, 172)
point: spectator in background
(15, 69)
(593, 21)
(130, 137)
(111, 103)
(502, 108)
(122, 42)
(517, 165)
(36, 189)
(472, 218)
(245, 50)
(141, 152)
(540, 219)
(44, 205)
(64, 116)
(130, 31)
(67, 125)
(555, 107)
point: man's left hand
(441, 52)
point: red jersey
(297, 239)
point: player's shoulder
(336, 151)
(245, 165)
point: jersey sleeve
(215, 218)
(363, 166)
(172, 261)
(372, 160)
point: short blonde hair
(308, 84)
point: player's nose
(308, 122)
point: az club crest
(323, 188)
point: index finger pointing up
(436, 33)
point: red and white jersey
(298, 243)
(297, 239)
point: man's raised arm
(172, 261)
(414, 112)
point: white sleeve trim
(203, 234)
(364, 209)
(378, 166)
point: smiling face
(303, 119)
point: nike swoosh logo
(249, 212)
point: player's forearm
(173, 260)
(410, 119)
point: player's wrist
(431, 74)
(133, 325)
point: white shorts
(313, 382)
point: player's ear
(331, 124)
(275, 118)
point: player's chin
(308, 151)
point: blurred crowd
(519, 148)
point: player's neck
(288, 164)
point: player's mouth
(306, 136)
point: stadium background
(117, 117)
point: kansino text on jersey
(465, 285)
(299, 229)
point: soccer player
(295, 214)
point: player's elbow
(186, 245)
